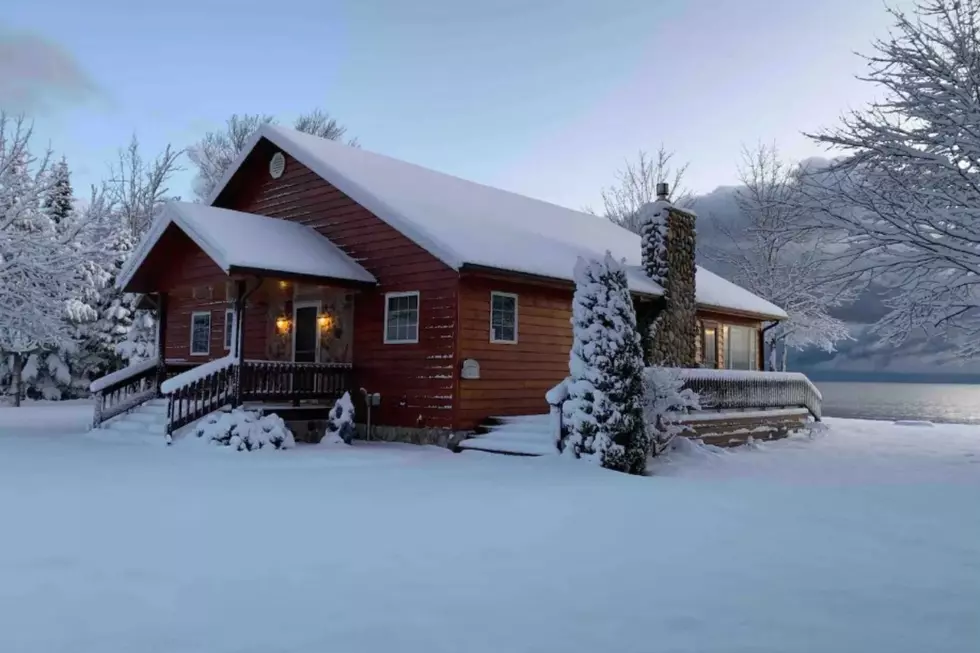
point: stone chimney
(668, 241)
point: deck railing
(269, 380)
(745, 390)
(724, 390)
(125, 389)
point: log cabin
(317, 267)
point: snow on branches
(772, 246)
(603, 411)
(906, 192)
(49, 257)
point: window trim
(418, 311)
(194, 316)
(516, 299)
(230, 319)
(713, 327)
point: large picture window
(401, 317)
(503, 317)
(200, 334)
(741, 348)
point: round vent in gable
(277, 165)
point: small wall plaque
(471, 369)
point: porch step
(522, 435)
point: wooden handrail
(126, 392)
(253, 380)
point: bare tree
(774, 249)
(636, 185)
(140, 187)
(218, 149)
(907, 188)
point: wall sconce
(283, 285)
(283, 324)
(325, 320)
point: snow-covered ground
(865, 538)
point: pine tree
(604, 410)
(58, 202)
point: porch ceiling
(246, 243)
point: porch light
(325, 320)
(283, 324)
(283, 285)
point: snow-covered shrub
(245, 430)
(340, 426)
(604, 412)
(664, 399)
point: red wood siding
(195, 283)
(416, 381)
(513, 377)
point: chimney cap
(663, 190)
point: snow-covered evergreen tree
(340, 426)
(59, 200)
(46, 272)
(906, 192)
(604, 412)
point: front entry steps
(149, 418)
(519, 435)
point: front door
(306, 335)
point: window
(503, 317)
(741, 348)
(401, 317)
(200, 334)
(229, 328)
(709, 349)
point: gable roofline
(355, 191)
(372, 181)
(186, 217)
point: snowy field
(865, 538)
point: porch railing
(745, 390)
(294, 381)
(222, 383)
(125, 389)
(204, 391)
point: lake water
(935, 402)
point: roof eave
(300, 276)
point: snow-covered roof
(463, 222)
(233, 239)
(717, 292)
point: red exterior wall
(416, 381)
(513, 377)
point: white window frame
(514, 296)
(418, 322)
(230, 319)
(194, 317)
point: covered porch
(251, 310)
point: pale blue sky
(542, 97)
